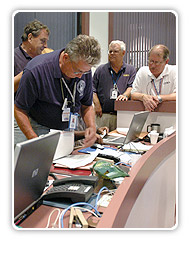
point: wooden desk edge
(117, 213)
(134, 105)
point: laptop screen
(136, 126)
(32, 163)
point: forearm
(88, 116)
(128, 92)
(137, 96)
(17, 79)
(24, 123)
(170, 97)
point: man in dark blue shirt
(112, 81)
(55, 86)
(34, 41)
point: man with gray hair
(112, 81)
(55, 86)
(157, 81)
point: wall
(99, 29)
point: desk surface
(121, 203)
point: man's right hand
(150, 102)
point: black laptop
(32, 162)
(133, 133)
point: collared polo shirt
(103, 83)
(21, 58)
(145, 80)
(41, 95)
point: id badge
(65, 114)
(73, 121)
(113, 93)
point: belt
(110, 113)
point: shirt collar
(122, 67)
(57, 69)
(27, 56)
(164, 73)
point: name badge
(65, 114)
(113, 93)
(73, 121)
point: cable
(84, 203)
(88, 210)
(99, 193)
(120, 162)
(49, 218)
(72, 205)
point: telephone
(76, 188)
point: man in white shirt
(157, 81)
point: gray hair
(160, 50)
(84, 47)
(120, 43)
(34, 28)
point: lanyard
(115, 82)
(72, 95)
(160, 86)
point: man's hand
(122, 98)
(150, 102)
(90, 136)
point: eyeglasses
(157, 63)
(78, 72)
(115, 52)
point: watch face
(160, 99)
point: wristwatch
(160, 99)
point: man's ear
(65, 56)
(167, 61)
(30, 37)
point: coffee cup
(153, 137)
(153, 127)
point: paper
(136, 146)
(122, 131)
(75, 161)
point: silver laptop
(133, 133)
(32, 162)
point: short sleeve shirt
(103, 83)
(21, 58)
(41, 95)
(165, 83)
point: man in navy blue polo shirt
(112, 81)
(54, 87)
(34, 41)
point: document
(136, 147)
(75, 161)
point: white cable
(49, 218)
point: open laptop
(32, 163)
(134, 131)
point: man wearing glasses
(54, 87)
(157, 81)
(112, 81)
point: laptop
(133, 133)
(32, 162)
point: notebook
(32, 162)
(134, 131)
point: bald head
(160, 50)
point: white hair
(119, 42)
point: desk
(164, 114)
(146, 199)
